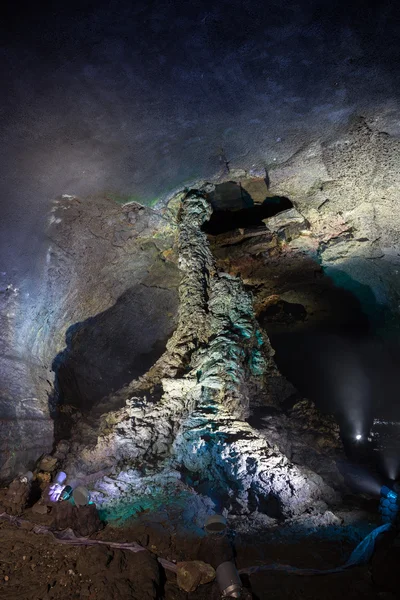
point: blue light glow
(388, 493)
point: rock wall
(98, 313)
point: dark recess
(109, 350)
(234, 208)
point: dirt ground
(37, 567)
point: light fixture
(216, 525)
(358, 437)
(81, 496)
(386, 492)
(228, 580)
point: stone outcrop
(216, 360)
(101, 310)
(17, 496)
(307, 438)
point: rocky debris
(61, 450)
(83, 520)
(17, 496)
(48, 463)
(287, 224)
(191, 574)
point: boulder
(191, 574)
(17, 496)
(48, 463)
(288, 224)
(83, 520)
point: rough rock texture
(191, 574)
(26, 429)
(83, 520)
(198, 422)
(101, 316)
(344, 193)
(347, 189)
(307, 438)
(288, 224)
(284, 271)
(107, 266)
(17, 496)
(48, 463)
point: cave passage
(339, 362)
(234, 208)
(325, 351)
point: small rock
(40, 509)
(287, 224)
(191, 574)
(43, 480)
(17, 497)
(256, 187)
(48, 463)
(62, 450)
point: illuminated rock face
(99, 314)
(215, 361)
(26, 429)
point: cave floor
(37, 567)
